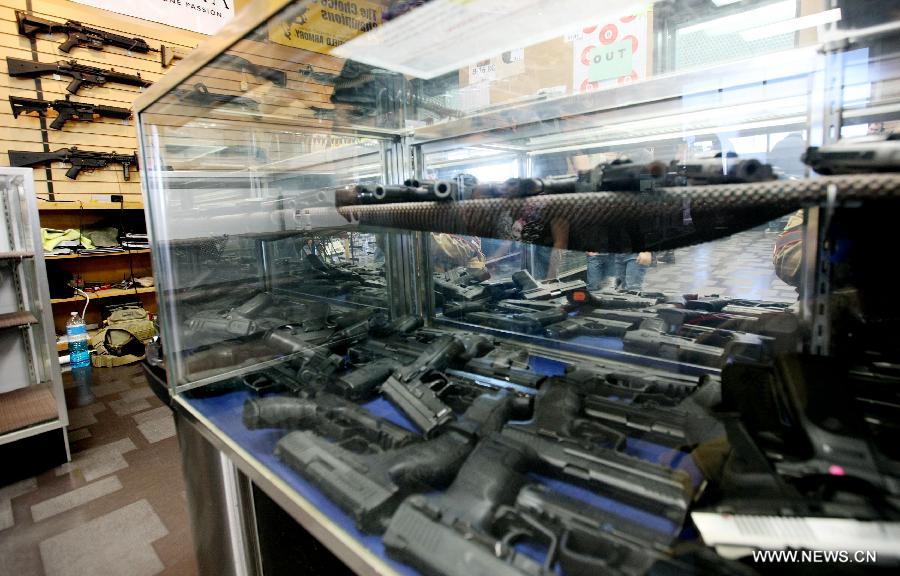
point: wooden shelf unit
(111, 293)
(98, 255)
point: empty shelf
(26, 407)
(16, 319)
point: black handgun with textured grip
(369, 487)
(415, 389)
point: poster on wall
(610, 53)
(204, 16)
(325, 25)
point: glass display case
(593, 296)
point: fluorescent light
(744, 20)
(720, 3)
(792, 25)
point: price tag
(56, 77)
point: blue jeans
(602, 269)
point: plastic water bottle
(79, 349)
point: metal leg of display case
(220, 504)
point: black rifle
(369, 487)
(79, 73)
(66, 110)
(327, 415)
(531, 289)
(79, 35)
(273, 75)
(201, 96)
(79, 159)
(416, 388)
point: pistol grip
(73, 172)
(74, 85)
(59, 122)
(68, 44)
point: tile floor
(119, 507)
(739, 266)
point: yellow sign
(327, 24)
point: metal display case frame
(213, 458)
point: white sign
(598, 51)
(204, 16)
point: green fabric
(50, 238)
(103, 237)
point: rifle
(201, 96)
(79, 159)
(369, 487)
(275, 76)
(531, 289)
(78, 34)
(79, 73)
(66, 110)
(416, 387)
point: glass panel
(409, 251)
